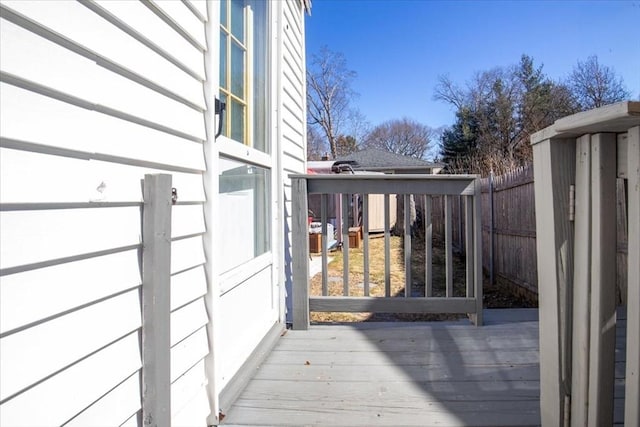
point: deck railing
(577, 162)
(406, 187)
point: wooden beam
(632, 379)
(611, 118)
(603, 279)
(300, 238)
(392, 305)
(156, 262)
(389, 184)
(581, 284)
(554, 170)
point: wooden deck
(406, 374)
(400, 374)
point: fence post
(156, 269)
(300, 239)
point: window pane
(223, 60)
(259, 78)
(244, 211)
(236, 114)
(223, 13)
(237, 19)
(237, 70)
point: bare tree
(402, 136)
(329, 94)
(594, 85)
(316, 145)
(450, 93)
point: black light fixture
(219, 111)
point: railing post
(477, 250)
(300, 239)
(554, 163)
(632, 378)
(156, 270)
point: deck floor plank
(401, 374)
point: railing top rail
(615, 118)
(390, 184)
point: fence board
(511, 236)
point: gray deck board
(401, 374)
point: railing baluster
(428, 247)
(365, 241)
(469, 253)
(407, 245)
(477, 252)
(345, 244)
(387, 247)
(325, 243)
(448, 245)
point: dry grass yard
(397, 275)
(493, 296)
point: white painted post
(632, 378)
(300, 238)
(156, 270)
(554, 170)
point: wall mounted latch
(174, 196)
(219, 111)
(572, 203)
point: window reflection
(244, 209)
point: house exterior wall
(293, 126)
(93, 96)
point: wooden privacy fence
(509, 230)
(420, 186)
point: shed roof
(373, 158)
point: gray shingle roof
(374, 158)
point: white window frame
(245, 153)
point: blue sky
(399, 47)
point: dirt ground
(493, 296)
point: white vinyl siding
(93, 96)
(293, 113)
